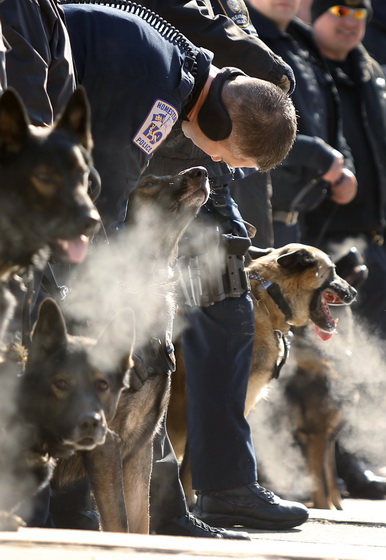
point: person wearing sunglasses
(344, 11)
(320, 162)
(338, 30)
(342, 25)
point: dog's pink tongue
(77, 249)
(322, 334)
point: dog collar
(275, 292)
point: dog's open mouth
(324, 323)
(75, 249)
(88, 443)
(84, 444)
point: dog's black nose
(351, 296)
(92, 221)
(90, 421)
(197, 173)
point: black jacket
(317, 105)
(375, 37)
(39, 65)
(361, 86)
(245, 51)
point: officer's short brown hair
(264, 121)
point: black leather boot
(360, 482)
(189, 526)
(250, 506)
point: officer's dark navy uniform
(218, 344)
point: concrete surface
(357, 533)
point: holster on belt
(212, 269)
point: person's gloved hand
(288, 80)
(345, 188)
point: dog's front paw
(10, 521)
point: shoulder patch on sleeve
(157, 125)
(236, 10)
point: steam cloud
(359, 389)
(131, 271)
(125, 273)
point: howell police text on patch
(155, 128)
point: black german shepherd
(45, 208)
(64, 401)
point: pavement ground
(356, 533)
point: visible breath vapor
(136, 269)
(359, 389)
(133, 270)
(15, 482)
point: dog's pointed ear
(115, 346)
(300, 258)
(76, 118)
(257, 252)
(14, 123)
(50, 330)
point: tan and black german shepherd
(160, 210)
(291, 287)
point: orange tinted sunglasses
(343, 11)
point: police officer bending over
(144, 80)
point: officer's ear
(213, 118)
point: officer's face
(217, 150)
(279, 11)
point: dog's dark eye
(61, 384)
(101, 385)
(44, 182)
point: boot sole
(229, 521)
